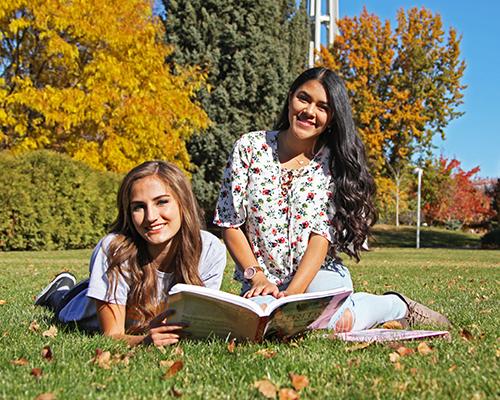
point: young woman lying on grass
(155, 242)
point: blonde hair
(128, 255)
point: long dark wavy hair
(354, 186)
(128, 255)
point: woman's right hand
(163, 335)
(261, 286)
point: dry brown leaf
(404, 351)
(394, 357)
(177, 351)
(51, 332)
(2, 302)
(413, 371)
(359, 346)
(19, 361)
(46, 396)
(288, 394)
(231, 345)
(121, 359)
(466, 334)
(266, 388)
(298, 381)
(266, 353)
(166, 363)
(392, 325)
(47, 353)
(102, 359)
(36, 372)
(424, 349)
(173, 369)
(452, 368)
(354, 362)
(398, 366)
(34, 326)
(175, 392)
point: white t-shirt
(210, 269)
(81, 309)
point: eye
(163, 202)
(137, 207)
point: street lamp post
(418, 171)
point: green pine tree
(251, 51)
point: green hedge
(49, 202)
(491, 240)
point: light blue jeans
(368, 310)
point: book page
(304, 313)
(218, 294)
(388, 335)
(210, 316)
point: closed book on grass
(209, 312)
(389, 335)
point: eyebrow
(156, 198)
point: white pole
(419, 172)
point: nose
(310, 109)
(151, 214)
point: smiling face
(155, 213)
(308, 111)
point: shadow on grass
(405, 236)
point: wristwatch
(250, 272)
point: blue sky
(474, 138)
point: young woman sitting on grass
(155, 242)
(293, 199)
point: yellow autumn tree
(405, 86)
(88, 78)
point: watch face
(249, 273)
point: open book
(210, 312)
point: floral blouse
(279, 207)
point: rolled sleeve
(231, 205)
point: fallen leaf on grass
(359, 346)
(266, 353)
(394, 357)
(51, 332)
(266, 388)
(231, 345)
(452, 368)
(47, 353)
(173, 369)
(175, 393)
(354, 362)
(424, 349)
(404, 351)
(2, 302)
(392, 325)
(288, 394)
(34, 327)
(36, 372)
(298, 381)
(19, 361)
(102, 359)
(46, 396)
(466, 334)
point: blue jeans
(368, 310)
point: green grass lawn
(405, 236)
(461, 283)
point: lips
(155, 228)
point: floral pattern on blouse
(278, 207)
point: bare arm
(242, 254)
(112, 321)
(309, 265)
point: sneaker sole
(39, 299)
